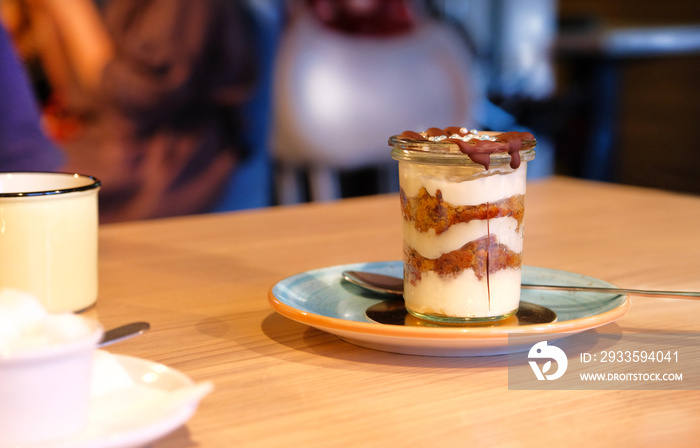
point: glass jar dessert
(463, 202)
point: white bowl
(46, 390)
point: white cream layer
(460, 191)
(430, 245)
(464, 295)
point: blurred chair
(338, 97)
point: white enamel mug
(48, 237)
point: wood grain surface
(202, 283)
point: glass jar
(462, 229)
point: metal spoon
(124, 332)
(387, 284)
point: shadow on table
(319, 343)
(304, 340)
(179, 438)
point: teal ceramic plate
(323, 300)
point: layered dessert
(463, 202)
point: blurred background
(609, 88)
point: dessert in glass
(463, 202)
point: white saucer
(133, 403)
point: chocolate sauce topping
(478, 150)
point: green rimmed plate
(321, 299)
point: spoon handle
(123, 332)
(394, 285)
(638, 292)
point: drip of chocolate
(478, 150)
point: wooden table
(202, 282)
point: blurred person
(13, 14)
(158, 87)
(24, 146)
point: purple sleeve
(23, 144)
